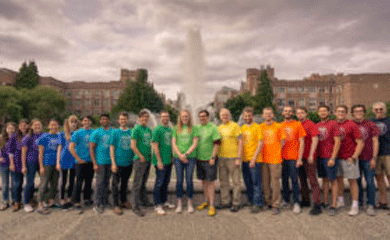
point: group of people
(263, 154)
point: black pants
(68, 175)
(84, 174)
(121, 176)
(139, 185)
(103, 177)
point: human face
(268, 115)
(104, 121)
(225, 116)
(23, 127)
(123, 121)
(37, 127)
(10, 130)
(287, 113)
(143, 120)
(323, 113)
(358, 114)
(301, 114)
(203, 118)
(248, 117)
(379, 110)
(53, 126)
(164, 118)
(341, 114)
(86, 123)
(73, 124)
(185, 118)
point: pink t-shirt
(368, 130)
(328, 130)
(311, 131)
(349, 133)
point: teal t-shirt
(184, 139)
(102, 151)
(143, 136)
(163, 136)
(81, 139)
(121, 140)
(207, 135)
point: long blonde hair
(180, 123)
(67, 127)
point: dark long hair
(4, 135)
(19, 133)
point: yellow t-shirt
(251, 136)
(229, 142)
(272, 149)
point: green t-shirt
(163, 136)
(207, 135)
(121, 140)
(143, 136)
(184, 139)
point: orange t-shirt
(272, 149)
(293, 131)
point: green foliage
(173, 113)
(238, 103)
(10, 109)
(139, 95)
(28, 76)
(313, 116)
(264, 96)
(371, 114)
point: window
(291, 89)
(96, 93)
(312, 89)
(114, 102)
(78, 93)
(77, 103)
(106, 103)
(301, 89)
(302, 102)
(321, 89)
(87, 102)
(280, 89)
(291, 102)
(87, 93)
(322, 102)
(69, 94)
(106, 93)
(280, 102)
(96, 102)
(312, 102)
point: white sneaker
(370, 210)
(28, 208)
(169, 205)
(191, 208)
(297, 208)
(179, 208)
(340, 204)
(160, 210)
(354, 211)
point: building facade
(222, 96)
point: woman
(30, 163)
(184, 142)
(6, 135)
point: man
(209, 140)
(368, 157)
(383, 162)
(141, 136)
(162, 160)
(350, 148)
(309, 168)
(251, 146)
(272, 159)
(292, 153)
(229, 161)
(121, 162)
(99, 149)
(327, 162)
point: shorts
(205, 171)
(349, 170)
(383, 165)
(324, 171)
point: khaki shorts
(349, 170)
(383, 165)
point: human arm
(358, 150)
(41, 151)
(375, 151)
(114, 167)
(257, 152)
(313, 147)
(156, 151)
(336, 148)
(215, 152)
(301, 150)
(72, 150)
(58, 165)
(92, 147)
(24, 157)
(136, 150)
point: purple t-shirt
(31, 142)
(5, 156)
(15, 148)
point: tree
(173, 113)
(139, 95)
(238, 103)
(371, 114)
(10, 109)
(28, 76)
(264, 96)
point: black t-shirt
(384, 139)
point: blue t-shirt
(81, 140)
(102, 139)
(384, 138)
(67, 161)
(121, 140)
(49, 142)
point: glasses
(378, 109)
(356, 111)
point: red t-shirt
(368, 130)
(349, 133)
(328, 130)
(311, 131)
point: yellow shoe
(212, 211)
(202, 206)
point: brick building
(83, 98)
(330, 89)
(222, 96)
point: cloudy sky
(91, 40)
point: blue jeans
(16, 186)
(289, 170)
(103, 177)
(163, 177)
(252, 180)
(32, 169)
(5, 173)
(188, 168)
(369, 175)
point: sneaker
(28, 208)
(126, 205)
(79, 209)
(324, 206)
(15, 207)
(316, 210)
(305, 204)
(332, 211)
(284, 204)
(4, 206)
(179, 208)
(159, 210)
(202, 206)
(169, 205)
(223, 206)
(370, 210)
(88, 203)
(275, 211)
(354, 211)
(340, 204)
(256, 209)
(43, 211)
(235, 208)
(297, 208)
(98, 209)
(382, 206)
(138, 211)
(190, 207)
(67, 206)
(117, 211)
(212, 211)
